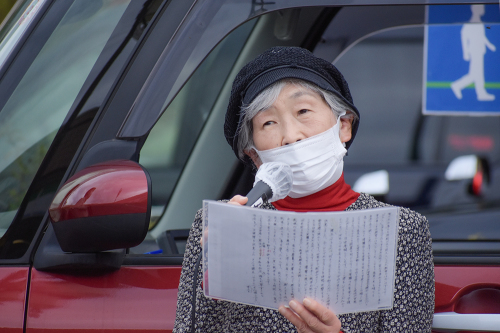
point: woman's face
(298, 113)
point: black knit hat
(276, 64)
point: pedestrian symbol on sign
(474, 44)
(462, 65)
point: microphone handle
(260, 191)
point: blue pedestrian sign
(462, 60)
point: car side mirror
(469, 167)
(374, 183)
(462, 167)
(103, 207)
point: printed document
(344, 260)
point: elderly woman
(288, 105)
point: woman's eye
(303, 111)
(270, 122)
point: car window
(187, 143)
(377, 67)
(383, 61)
(171, 140)
(385, 71)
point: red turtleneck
(336, 197)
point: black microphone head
(278, 176)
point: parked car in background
(111, 115)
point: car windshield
(38, 105)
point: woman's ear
(254, 156)
(345, 129)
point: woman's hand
(236, 200)
(310, 316)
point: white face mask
(316, 162)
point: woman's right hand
(311, 317)
(236, 200)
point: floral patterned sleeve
(414, 290)
(184, 296)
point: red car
(111, 116)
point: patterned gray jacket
(413, 295)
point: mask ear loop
(338, 121)
(252, 147)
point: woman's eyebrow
(300, 93)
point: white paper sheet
(345, 260)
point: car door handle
(452, 321)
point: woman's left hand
(310, 316)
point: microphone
(273, 181)
(260, 193)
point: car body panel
(141, 299)
(13, 284)
(453, 282)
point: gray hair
(266, 99)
